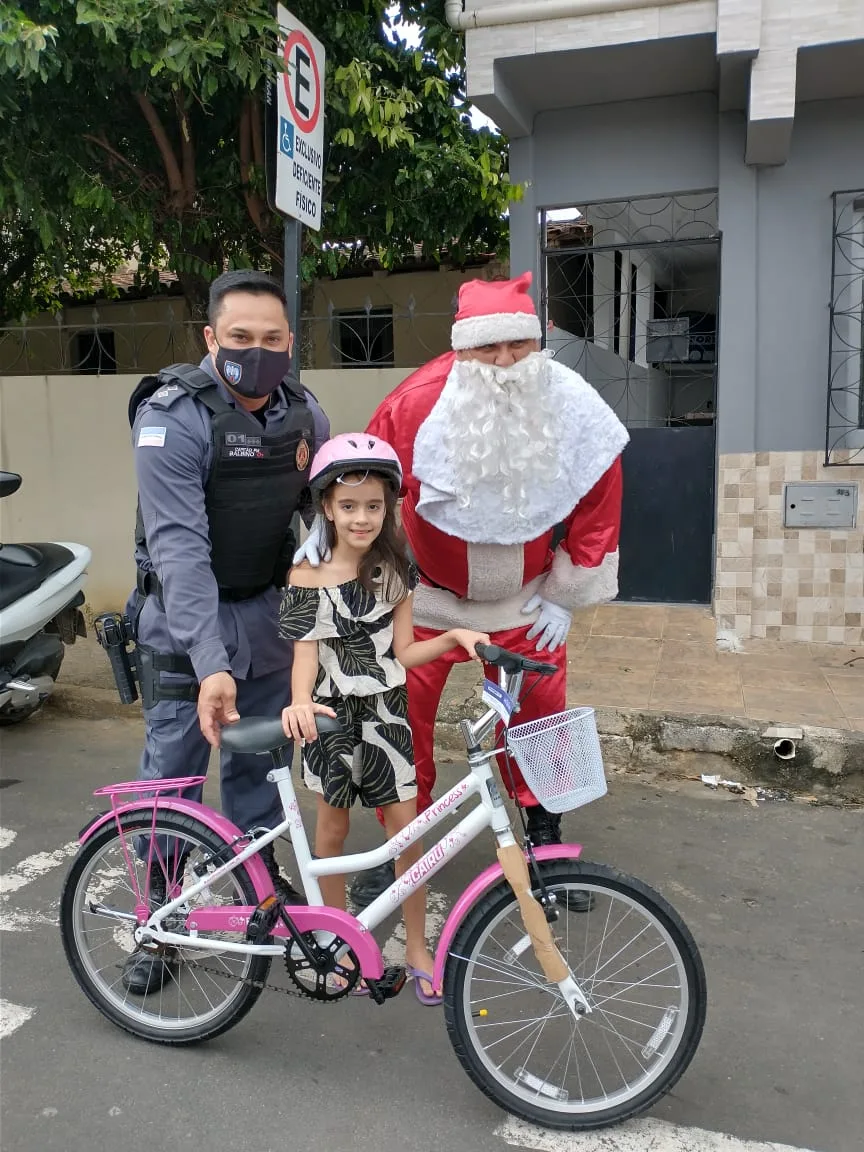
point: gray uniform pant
(174, 746)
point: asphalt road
(773, 896)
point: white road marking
(23, 920)
(12, 1016)
(635, 1136)
(35, 866)
(7, 835)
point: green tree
(135, 128)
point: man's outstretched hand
(217, 705)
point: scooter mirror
(9, 482)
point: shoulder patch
(166, 395)
(150, 437)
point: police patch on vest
(302, 457)
(233, 372)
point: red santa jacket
(484, 585)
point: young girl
(352, 625)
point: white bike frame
(490, 812)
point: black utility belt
(149, 585)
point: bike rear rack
(126, 792)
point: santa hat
(492, 311)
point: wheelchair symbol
(286, 137)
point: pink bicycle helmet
(353, 452)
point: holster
(150, 666)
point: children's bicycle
(572, 1020)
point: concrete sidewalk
(660, 686)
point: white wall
(69, 438)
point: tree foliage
(134, 129)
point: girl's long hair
(385, 569)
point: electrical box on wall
(820, 505)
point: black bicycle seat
(255, 734)
(511, 661)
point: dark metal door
(667, 523)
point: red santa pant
(425, 685)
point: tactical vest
(256, 479)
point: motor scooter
(40, 612)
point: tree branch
(253, 203)
(146, 178)
(187, 150)
(169, 160)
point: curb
(633, 740)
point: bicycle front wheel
(636, 963)
(205, 992)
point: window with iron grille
(94, 352)
(844, 441)
(363, 338)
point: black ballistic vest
(256, 480)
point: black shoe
(285, 891)
(368, 886)
(144, 973)
(545, 828)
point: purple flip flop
(432, 1000)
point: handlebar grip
(327, 724)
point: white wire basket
(560, 758)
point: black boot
(146, 972)
(284, 889)
(545, 828)
(368, 886)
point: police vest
(256, 480)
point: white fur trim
(573, 586)
(591, 438)
(436, 608)
(477, 331)
(495, 571)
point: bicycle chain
(262, 984)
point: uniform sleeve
(170, 463)
(585, 567)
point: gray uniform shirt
(173, 458)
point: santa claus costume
(511, 504)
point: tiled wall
(785, 583)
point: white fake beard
(501, 426)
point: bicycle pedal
(390, 984)
(263, 921)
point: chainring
(324, 978)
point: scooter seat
(23, 567)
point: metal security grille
(844, 432)
(630, 291)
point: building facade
(694, 217)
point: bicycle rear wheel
(640, 970)
(203, 995)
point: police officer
(222, 456)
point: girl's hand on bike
(298, 720)
(468, 640)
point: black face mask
(253, 372)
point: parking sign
(299, 152)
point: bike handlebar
(512, 662)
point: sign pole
(291, 277)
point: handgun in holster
(116, 634)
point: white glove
(315, 548)
(553, 622)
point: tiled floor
(666, 658)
